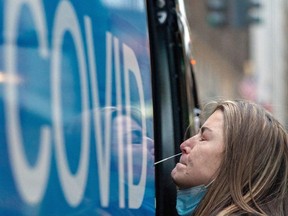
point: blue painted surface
(76, 132)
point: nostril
(184, 148)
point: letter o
(73, 185)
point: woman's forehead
(215, 120)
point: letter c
(31, 181)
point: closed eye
(202, 139)
(203, 131)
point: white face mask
(189, 199)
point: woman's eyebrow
(203, 129)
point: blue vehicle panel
(76, 112)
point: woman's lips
(180, 166)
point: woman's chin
(177, 172)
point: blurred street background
(240, 48)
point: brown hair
(254, 170)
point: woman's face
(201, 154)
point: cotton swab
(167, 158)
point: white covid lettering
(131, 67)
(120, 130)
(31, 181)
(73, 185)
(103, 151)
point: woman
(236, 165)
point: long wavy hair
(254, 171)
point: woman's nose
(185, 147)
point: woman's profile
(236, 165)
